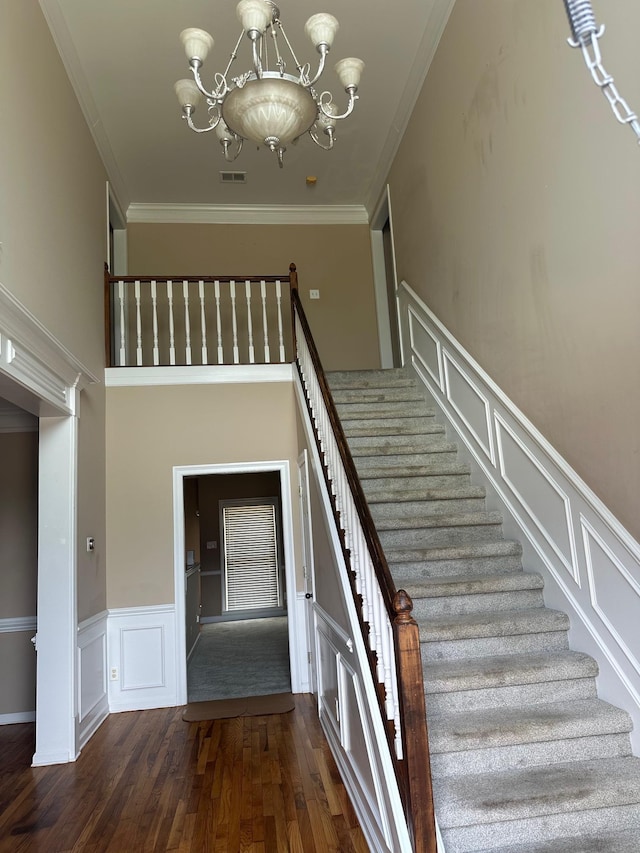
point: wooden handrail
(413, 771)
(131, 279)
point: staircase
(525, 758)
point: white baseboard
(590, 563)
(20, 717)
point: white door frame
(38, 374)
(309, 568)
(297, 647)
(380, 216)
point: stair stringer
(581, 548)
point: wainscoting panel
(426, 348)
(93, 702)
(142, 666)
(590, 562)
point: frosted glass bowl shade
(197, 43)
(187, 93)
(321, 29)
(274, 107)
(254, 15)
(349, 71)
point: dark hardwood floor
(147, 781)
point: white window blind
(252, 577)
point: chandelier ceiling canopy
(269, 107)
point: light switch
(211, 546)
(314, 294)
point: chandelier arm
(195, 70)
(324, 50)
(230, 158)
(317, 141)
(187, 117)
(351, 91)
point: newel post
(107, 317)
(415, 741)
(293, 288)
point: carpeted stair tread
(404, 427)
(488, 728)
(598, 842)
(507, 671)
(469, 584)
(381, 411)
(419, 522)
(405, 394)
(393, 377)
(400, 496)
(537, 620)
(513, 795)
(416, 452)
(435, 467)
(499, 548)
(371, 445)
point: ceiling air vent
(233, 177)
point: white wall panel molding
(122, 377)
(248, 214)
(590, 562)
(426, 348)
(141, 668)
(470, 403)
(93, 702)
(15, 624)
(547, 505)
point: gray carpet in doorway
(249, 657)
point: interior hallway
(147, 781)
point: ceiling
(123, 57)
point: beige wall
(151, 430)
(52, 230)
(334, 259)
(515, 207)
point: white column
(56, 700)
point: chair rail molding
(590, 562)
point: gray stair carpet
(525, 757)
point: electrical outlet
(91, 544)
(114, 673)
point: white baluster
(203, 323)
(218, 323)
(252, 355)
(234, 322)
(187, 322)
(136, 291)
(122, 361)
(172, 339)
(280, 335)
(154, 319)
(263, 296)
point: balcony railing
(206, 320)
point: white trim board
(295, 620)
(123, 377)
(257, 214)
(590, 562)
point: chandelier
(268, 107)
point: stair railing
(390, 633)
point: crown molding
(257, 214)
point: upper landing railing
(183, 320)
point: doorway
(209, 550)
(385, 284)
